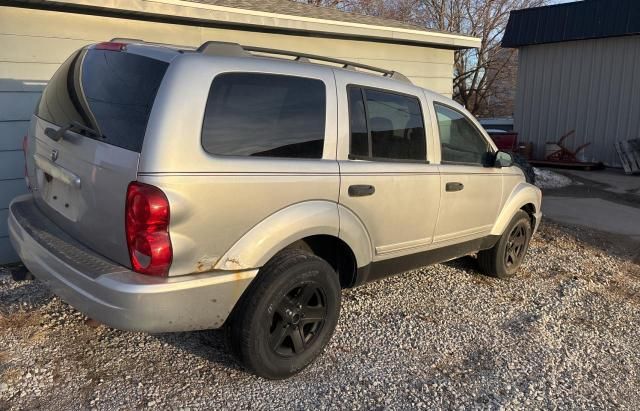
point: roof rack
(126, 40)
(152, 43)
(219, 48)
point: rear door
(80, 177)
(386, 179)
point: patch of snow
(549, 179)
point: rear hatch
(85, 140)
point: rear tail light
(111, 45)
(25, 149)
(147, 228)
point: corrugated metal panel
(11, 164)
(589, 86)
(7, 254)
(18, 105)
(588, 19)
(11, 134)
(9, 189)
(4, 229)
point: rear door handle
(361, 190)
(454, 186)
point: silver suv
(177, 189)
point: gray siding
(591, 86)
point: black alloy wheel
(507, 255)
(298, 320)
(286, 316)
(516, 246)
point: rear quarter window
(265, 115)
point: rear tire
(506, 256)
(287, 315)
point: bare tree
(477, 72)
(402, 10)
(499, 99)
(324, 3)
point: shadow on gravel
(469, 265)
(609, 244)
(24, 293)
(209, 345)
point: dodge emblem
(54, 155)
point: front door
(471, 190)
(385, 177)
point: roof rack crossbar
(125, 40)
(130, 40)
(216, 48)
(222, 48)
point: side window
(460, 141)
(385, 125)
(265, 115)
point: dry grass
(19, 320)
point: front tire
(287, 316)
(506, 256)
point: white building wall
(33, 43)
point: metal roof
(587, 19)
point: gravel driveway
(564, 333)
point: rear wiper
(57, 135)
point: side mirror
(503, 159)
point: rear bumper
(113, 294)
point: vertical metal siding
(591, 86)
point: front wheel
(506, 256)
(287, 315)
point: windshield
(111, 92)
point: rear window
(108, 91)
(265, 115)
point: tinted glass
(385, 125)
(460, 141)
(358, 123)
(265, 115)
(397, 130)
(111, 92)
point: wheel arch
(524, 197)
(313, 223)
(530, 209)
(334, 251)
